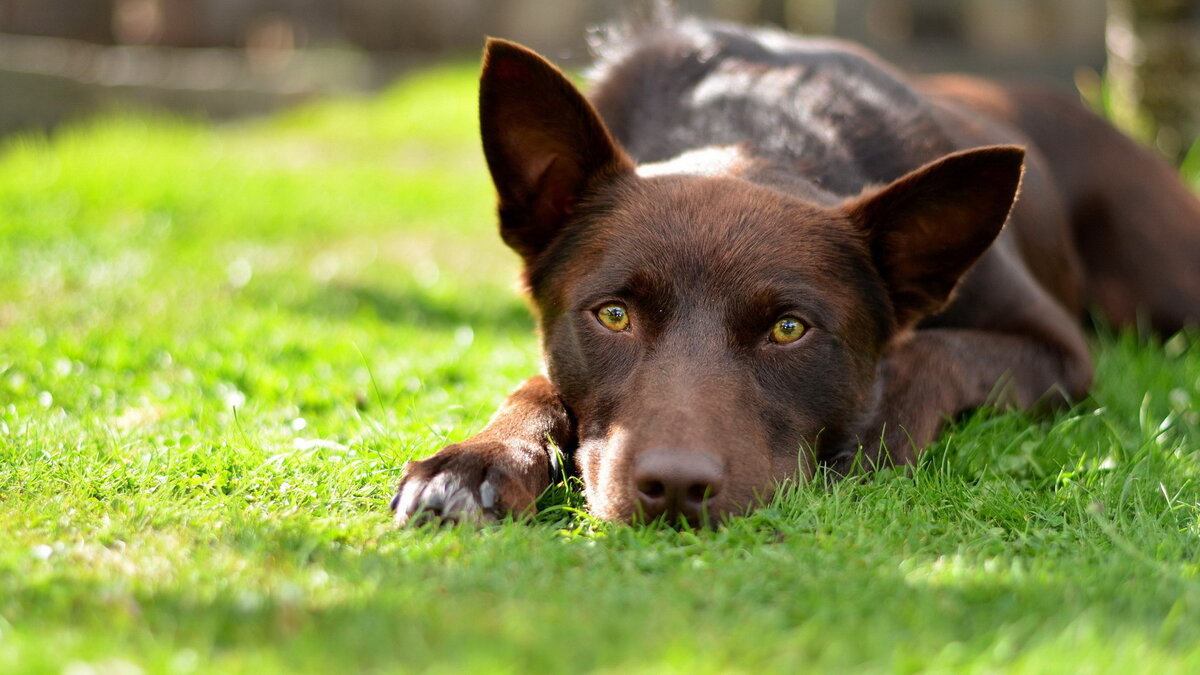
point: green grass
(219, 345)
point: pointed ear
(544, 143)
(929, 227)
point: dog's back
(816, 109)
(1135, 226)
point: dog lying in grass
(752, 254)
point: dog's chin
(711, 519)
(628, 511)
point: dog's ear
(544, 143)
(929, 227)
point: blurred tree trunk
(1154, 71)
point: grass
(219, 345)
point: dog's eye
(787, 329)
(613, 317)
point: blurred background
(62, 59)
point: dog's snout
(676, 483)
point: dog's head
(710, 335)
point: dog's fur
(722, 179)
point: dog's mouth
(693, 513)
(659, 507)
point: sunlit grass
(218, 346)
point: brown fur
(810, 182)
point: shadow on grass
(441, 604)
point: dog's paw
(463, 483)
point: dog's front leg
(501, 470)
(934, 375)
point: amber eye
(787, 329)
(613, 317)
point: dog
(753, 254)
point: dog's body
(757, 253)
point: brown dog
(752, 253)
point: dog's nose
(677, 483)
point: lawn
(220, 344)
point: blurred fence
(225, 57)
